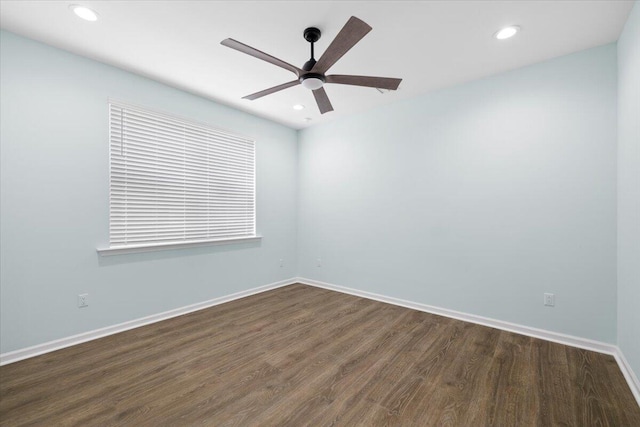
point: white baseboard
(36, 350)
(556, 337)
(570, 340)
(587, 344)
(629, 375)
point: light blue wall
(629, 190)
(477, 198)
(54, 201)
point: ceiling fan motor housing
(308, 66)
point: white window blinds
(174, 181)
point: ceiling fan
(312, 75)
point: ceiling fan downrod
(312, 35)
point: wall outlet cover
(83, 300)
(549, 299)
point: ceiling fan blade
(234, 44)
(352, 32)
(322, 100)
(368, 81)
(271, 90)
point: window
(177, 182)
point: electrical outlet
(83, 300)
(281, 263)
(319, 262)
(549, 300)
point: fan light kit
(312, 74)
(84, 12)
(312, 82)
(507, 32)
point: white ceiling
(429, 44)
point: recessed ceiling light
(298, 107)
(307, 119)
(507, 32)
(84, 12)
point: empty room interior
(314, 213)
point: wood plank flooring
(300, 355)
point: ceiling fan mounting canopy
(312, 34)
(312, 75)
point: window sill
(123, 250)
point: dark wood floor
(306, 356)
